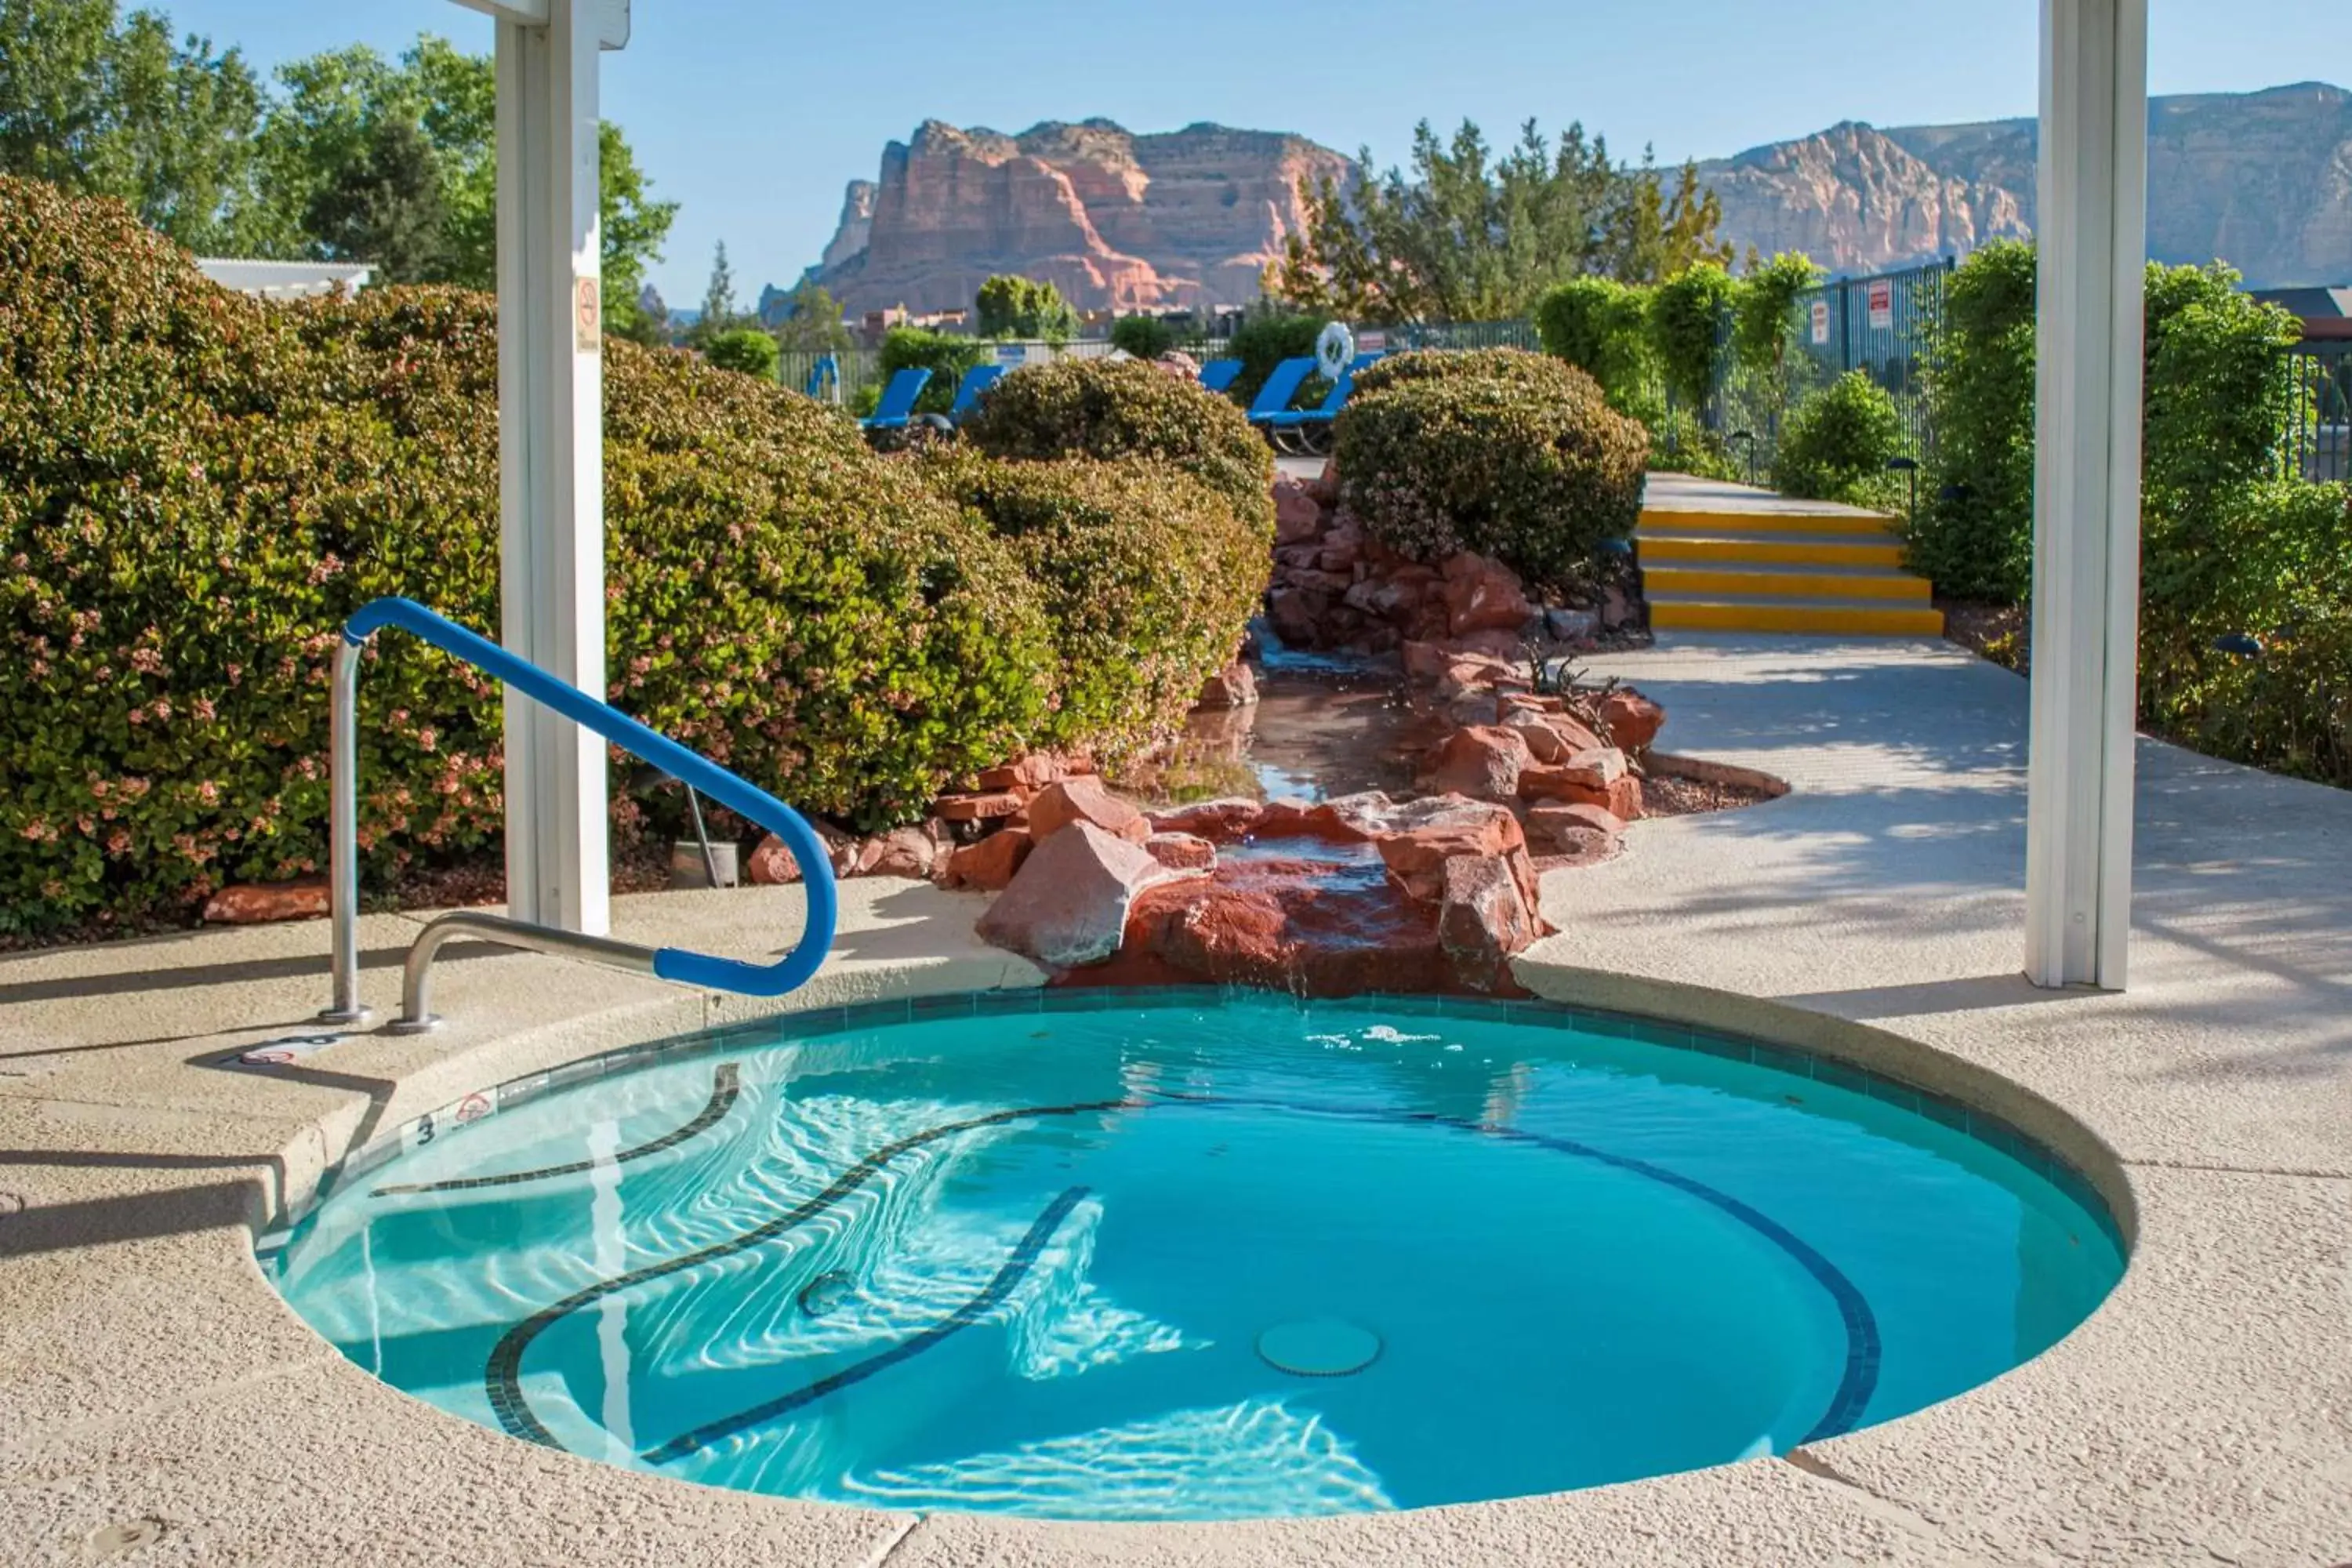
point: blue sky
(755, 115)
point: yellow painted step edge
(1669, 577)
(1763, 521)
(1867, 622)
(1724, 551)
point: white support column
(551, 456)
(2093, 226)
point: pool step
(1794, 613)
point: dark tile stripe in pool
(1000, 1285)
(724, 1085)
(502, 1376)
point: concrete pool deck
(159, 1404)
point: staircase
(1730, 558)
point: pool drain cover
(1319, 1347)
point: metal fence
(2319, 441)
(1882, 325)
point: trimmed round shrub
(1513, 455)
(1837, 443)
(196, 490)
(1149, 578)
(746, 349)
(1122, 408)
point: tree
(1014, 307)
(719, 312)
(384, 207)
(1469, 236)
(324, 119)
(1651, 236)
(812, 322)
(111, 107)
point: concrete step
(1786, 517)
(1705, 580)
(1771, 548)
(1791, 613)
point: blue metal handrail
(679, 965)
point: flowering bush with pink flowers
(196, 490)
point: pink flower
(147, 661)
(118, 842)
(205, 709)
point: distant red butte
(1180, 220)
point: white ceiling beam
(611, 16)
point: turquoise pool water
(1195, 1255)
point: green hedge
(1513, 455)
(1148, 577)
(1601, 326)
(2231, 556)
(1837, 443)
(1125, 409)
(196, 490)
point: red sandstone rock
(986, 806)
(1181, 851)
(1218, 821)
(1576, 849)
(1424, 662)
(771, 865)
(1552, 738)
(1025, 775)
(1295, 616)
(901, 852)
(1342, 547)
(1068, 905)
(1482, 918)
(1325, 486)
(1233, 687)
(1286, 925)
(1297, 516)
(261, 903)
(1634, 721)
(1085, 799)
(1352, 818)
(1285, 819)
(990, 864)
(1420, 835)
(1482, 761)
(1483, 595)
(1553, 821)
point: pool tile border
(1986, 1127)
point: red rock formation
(1188, 218)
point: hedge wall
(196, 490)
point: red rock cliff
(1186, 219)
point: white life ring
(1335, 350)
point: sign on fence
(1881, 304)
(1372, 340)
(1013, 356)
(1821, 323)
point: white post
(551, 457)
(2094, 242)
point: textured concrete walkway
(2205, 1414)
(159, 1404)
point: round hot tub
(1192, 1255)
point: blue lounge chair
(1308, 430)
(1275, 397)
(976, 380)
(1220, 374)
(897, 409)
